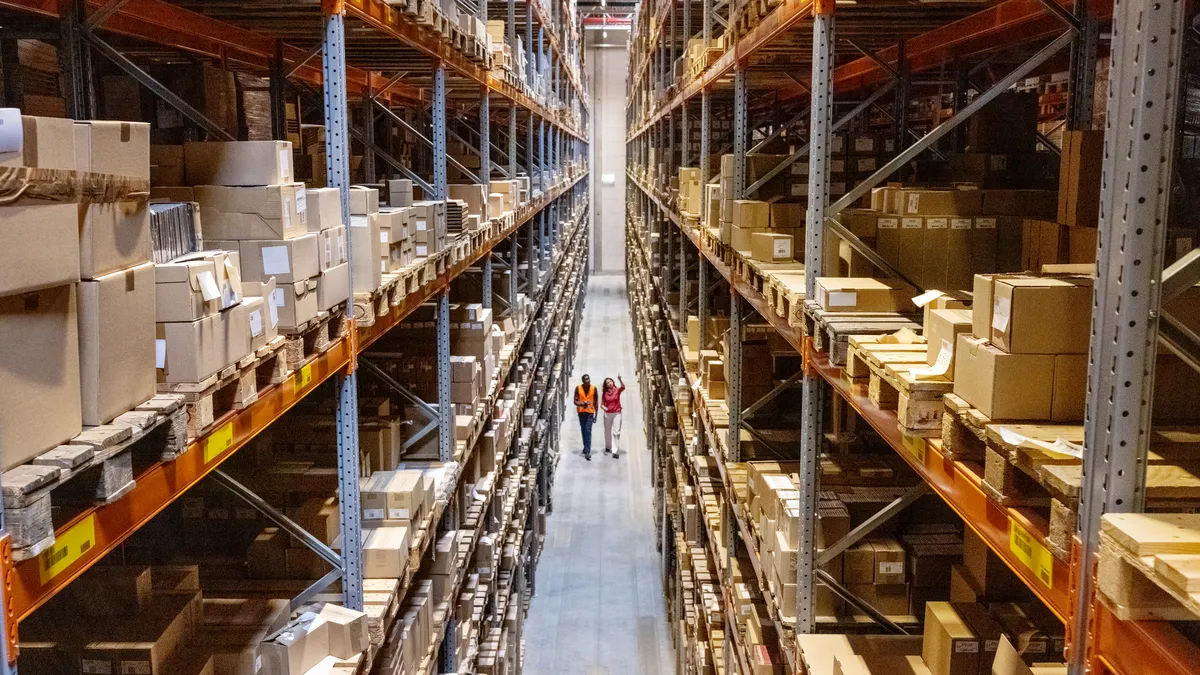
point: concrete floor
(599, 608)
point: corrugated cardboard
(1042, 315)
(118, 148)
(749, 214)
(942, 332)
(364, 201)
(950, 646)
(940, 202)
(236, 213)
(47, 143)
(189, 351)
(289, 260)
(116, 343)
(263, 325)
(39, 365)
(364, 242)
(1003, 386)
(39, 246)
(239, 163)
(323, 207)
(859, 294)
(771, 246)
(113, 236)
(186, 291)
(166, 165)
(333, 287)
(385, 552)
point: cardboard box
(117, 148)
(166, 165)
(1079, 178)
(333, 287)
(385, 552)
(323, 208)
(889, 561)
(1039, 204)
(364, 201)
(949, 647)
(1042, 315)
(364, 244)
(888, 599)
(771, 247)
(288, 260)
(113, 236)
(262, 318)
(116, 343)
(40, 399)
(296, 302)
(941, 202)
(237, 213)
(190, 351)
(348, 632)
(236, 337)
(750, 214)
(46, 143)
(39, 246)
(859, 294)
(1003, 386)
(942, 331)
(981, 306)
(186, 291)
(239, 163)
(296, 648)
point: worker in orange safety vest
(585, 405)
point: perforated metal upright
(1144, 88)
(733, 388)
(812, 408)
(337, 139)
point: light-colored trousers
(612, 431)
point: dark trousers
(586, 420)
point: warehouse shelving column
(1144, 85)
(337, 140)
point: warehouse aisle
(598, 608)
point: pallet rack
(752, 91)
(381, 57)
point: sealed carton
(267, 212)
(385, 552)
(940, 202)
(295, 302)
(1042, 315)
(116, 343)
(364, 201)
(117, 148)
(39, 365)
(39, 246)
(333, 287)
(113, 236)
(166, 165)
(771, 247)
(186, 291)
(190, 351)
(942, 331)
(239, 163)
(263, 327)
(859, 294)
(750, 214)
(1003, 386)
(949, 647)
(324, 208)
(287, 260)
(365, 246)
(46, 143)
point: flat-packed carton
(237, 163)
(1003, 386)
(365, 246)
(266, 212)
(288, 260)
(324, 208)
(46, 143)
(116, 343)
(1042, 315)
(859, 294)
(113, 236)
(333, 287)
(39, 246)
(117, 148)
(39, 402)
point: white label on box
(385, 238)
(843, 298)
(912, 223)
(92, 667)
(421, 225)
(991, 645)
(287, 214)
(12, 132)
(936, 223)
(277, 298)
(373, 514)
(866, 164)
(398, 514)
(256, 327)
(888, 224)
(914, 202)
(985, 223)
(160, 353)
(285, 161)
(274, 312)
(966, 647)
(422, 250)
(257, 663)
(328, 251)
(864, 144)
(783, 248)
(341, 249)
(208, 286)
(891, 568)
(1000, 309)
(135, 668)
(301, 201)
(275, 260)
(940, 367)
(960, 223)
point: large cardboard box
(949, 647)
(262, 318)
(186, 291)
(113, 236)
(1003, 386)
(323, 208)
(265, 213)
(385, 552)
(39, 246)
(46, 143)
(39, 365)
(116, 343)
(365, 246)
(333, 287)
(860, 294)
(296, 302)
(1042, 315)
(473, 195)
(751, 214)
(1079, 178)
(189, 351)
(117, 148)
(239, 163)
(771, 247)
(288, 260)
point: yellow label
(68, 547)
(218, 441)
(304, 377)
(916, 446)
(1031, 553)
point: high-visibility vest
(585, 401)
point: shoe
(614, 455)
(588, 457)
(607, 451)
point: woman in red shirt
(610, 400)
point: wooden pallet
(894, 383)
(95, 467)
(784, 290)
(315, 336)
(1148, 566)
(831, 331)
(964, 430)
(233, 388)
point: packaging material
(46, 143)
(39, 246)
(239, 163)
(166, 165)
(289, 260)
(949, 647)
(941, 202)
(942, 331)
(296, 302)
(1003, 386)
(323, 207)
(263, 320)
(364, 243)
(237, 213)
(117, 148)
(364, 201)
(771, 247)
(190, 351)
(1042, 315)
(385, 552)
(116, 343)
(1079, 178)
(333, 287)
(227, 275)
(113, 236)
(39, 365)
(859, 294)
(296, 648)
(751, 214)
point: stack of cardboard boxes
(366, 240)
(394, 504)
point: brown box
(236, 213)
(888, 599)
(941, 202)
(1079, 177)
(858, 564)
(385, 552)
(859, 294)
(789, 216)
(1044, 242)
(117, 148)
(113, 236)
(1003, 386)
(289, 260)
(942, 331)
(116, 343)
(39, 246)
(771, 247)
(47, 143)
(889, 561)
(1042, 315)
(751, 214)
(950, 646)
(1081, 245)
(166, 165)
(186, 291)
(239, 163)
(986, 628)
(39, 365)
